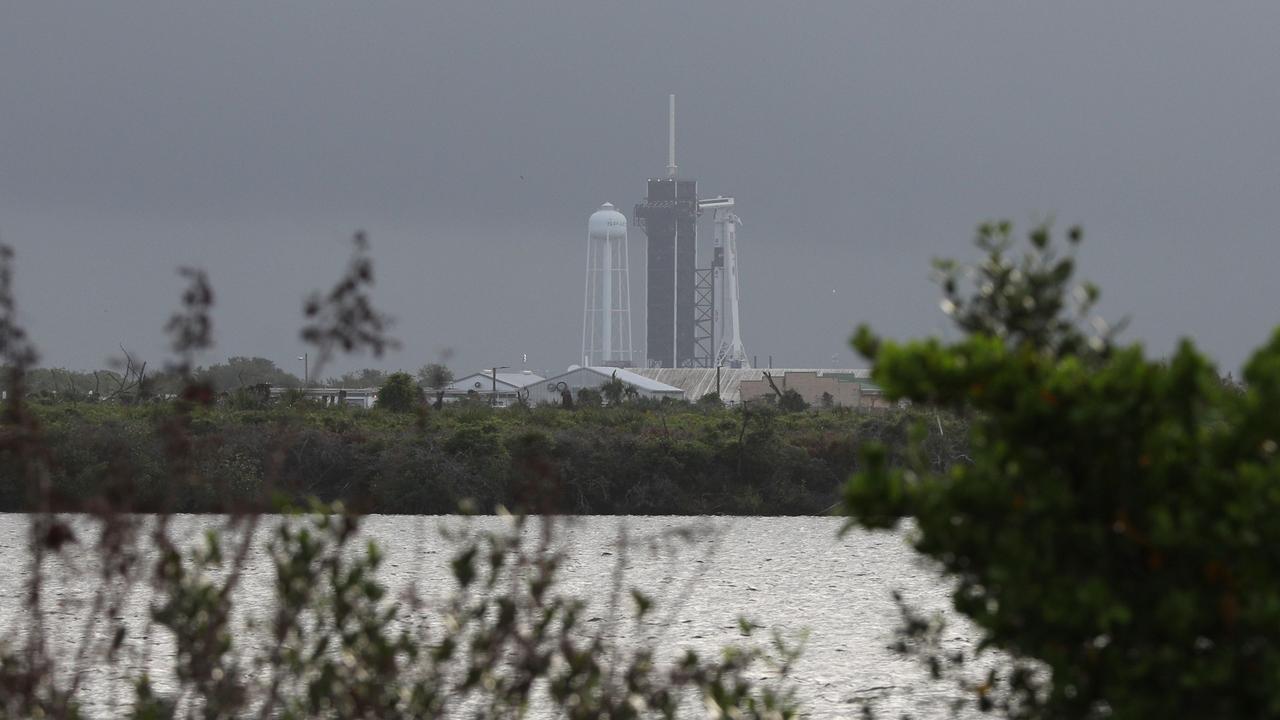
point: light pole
(494, 400)
(306, 369)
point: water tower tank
(606, 317)
(605, 223)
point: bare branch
(344, 319)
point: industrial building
(497, 388)
(847, 388)
(841, 388)
(551, 390)
(364, 398)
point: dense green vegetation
(1115, 533)
(630, 458)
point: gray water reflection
(792, 574)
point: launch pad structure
(726, 332)
(692, 318)
(669, 218)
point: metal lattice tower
(704, 317)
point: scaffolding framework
(704, 317)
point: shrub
(589, 398)
(792, 401)
(1114, 530)
(400, 393)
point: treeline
(131, 380)
(672, 458)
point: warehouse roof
(697, 382)
(630, 377)
(485, 378)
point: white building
(501, 390)
(350, 397)
(848, 387)
(552, 389)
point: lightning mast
(671, 136)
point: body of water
(795, 574)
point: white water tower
(606, 317)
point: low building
(819, 388)
(501, 390)
(551, 390)
(350, 397)
(847, 387)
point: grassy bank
(675, 459)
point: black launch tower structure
(669, 218)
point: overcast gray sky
(473, 140)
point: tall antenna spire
(671, 137)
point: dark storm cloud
(473, 141)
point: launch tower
(692, 316)
(669, 218)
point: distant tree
(250, 398)
(132, 382)
(66, 384)
(828, 401)
(710, 400)
(589, 397)
(399, 393)
(435, 377)
(164, 384)
(792, 401)
(364, 378)
(242, 372)
(613, 390)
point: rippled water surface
(794, 574)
